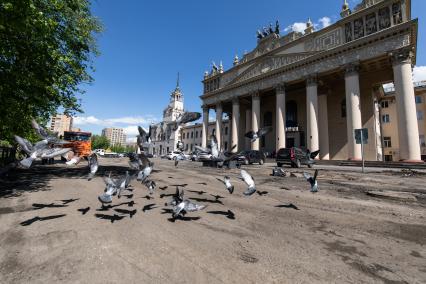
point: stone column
(408, 131)
(323, 125)
(280, 117)
(353, 110)
(235, 124)
(219, 124)
(312, 114)
(205, 128)
(255, 118)
(248, 128)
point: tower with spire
(175, 107)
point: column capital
(255, 95)
(235, 101)
(311, 80)
(280, 88)
(218, 105)
(205, 107)
(402, 56)
(351, 68)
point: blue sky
(145, 44)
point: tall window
(267, 119)
(418, 99)
(422, 141)
(196, 134)
(343, 108)
(384, 104)
(387, 142)
(388, 158)
(419, 115)
(213, 131)
(385, 118)
(192, 135)
(226, 130)
(291, 114)
(183, 136)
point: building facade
(192, 135)
(60, 123)
(115, 136)
(316, 88)
(388, 120)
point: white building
(115, 136)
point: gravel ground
(359, 228)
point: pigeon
(256, 135)
(186, 117)
(227, 182)
(248, 179)
(186, 206)
(150, 184)
(113, 187)
(312, 181)
(93, 165)
(278, 172)
(42, 133)
(311, 156)
(143, 174)
(177, 198)
(46, 153)
(84, 210)
(74, 161)
(143, 139)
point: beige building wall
(192, 135)
(390, 129)
(60, 123)
(115, 136)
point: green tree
(99, 142)
(46, 54)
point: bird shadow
(203, 183)
(180, 185)
(290, 205)
(228, 214)
(217, 196)
(166, 195)
(66, 201)
(107, 207)
(131, 213)
(148, 207)
(183, 218)
(111, 218)
(261, 193)
(38, 206)
(37, 218)
(163, 187)
(217, 201)
(167, 211)
(199, 192)
(128, 196)
(83, 210)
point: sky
(146, 43)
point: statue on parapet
(259, 35)
(265, 32)
(277, 28)
(271, 30)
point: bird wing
(222, 181)
(248, 179)
(307, 176)
(202, 149)
(108, 180)
(54, 152)
(41, 132)
(189, 117)
(24, 143)
(314, 154)
(191, 206)
(215, 149)
(315, 174)
(249, 134)
(264, 130)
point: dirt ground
(359, 228)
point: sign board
(361, 134)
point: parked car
(296, 157)
(173, 155)
(204, 156)
(250, 157)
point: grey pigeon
(312, 181)
(177, 198)
(248, 179)
(151, 185)
(227, 182)
(93, 165)
(278, 172)
(256, 135)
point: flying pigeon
(93, 165)
(113, 187)
(227, 182)
(150, 184)
(145, 172)
(181, 208)
(256, 135)
(312, 181)
(42, 133)
(248, 179)
(177, 198)
(43, 154)
(74, 161)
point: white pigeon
(93, 165)
(186, 206)
(227, 182)
(74, 161)
(248, 179)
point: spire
(177, 82)
(309, 27)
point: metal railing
(7, 155)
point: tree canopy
(99, 142)
(46, 53)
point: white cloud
(419, 73)
(325, 22)
(300, 27)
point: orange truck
(80, 142)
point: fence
(7, 155)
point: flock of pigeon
(141, 167)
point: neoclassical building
(315, 88)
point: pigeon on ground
(177, 198)
(278, 172)
(312, 181)
(93, 165)
(248, 179)
(186, 206)
(150, 184)
(311, 156)
(256, 135)
(227, 182)
(84, 210)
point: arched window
(267, 119)
(291, 114)
(343, 108)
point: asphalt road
(359, 228)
